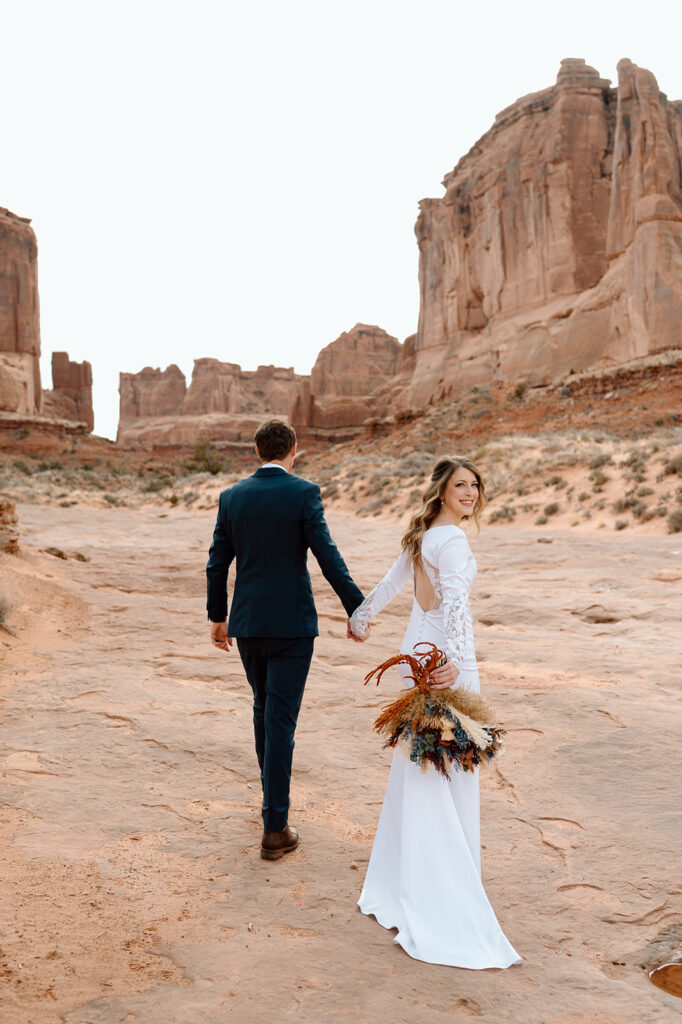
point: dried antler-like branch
(422, 666)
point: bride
(424, 875)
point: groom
(267, 522)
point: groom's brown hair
(274, 440)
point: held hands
(444, 677)
(219, 637)
(351, 635)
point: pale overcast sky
(240, 180)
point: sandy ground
(129, 828)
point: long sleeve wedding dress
(424, 874)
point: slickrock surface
(222, 403)
(19, 316)
(558, 243)
(132, 885)
(71, 394)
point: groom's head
(274, 439)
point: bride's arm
(393, 582)
(452, 560)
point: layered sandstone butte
(343, 389)
(71, 394)
(222, 403)
(558, 243)
(19, 316)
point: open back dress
(424, 874)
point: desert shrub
(155, 485)
(661, 510)
(584, 496)
(621, 524)
(373, 508)
(330, 491)
(22, 467)
(5, 610)
(189, 497)
(49, 464)
(675, 521)
(205, 459)
(619, 506)
(673, 466)
(174, 500)
(541, 520)
(112, 499)
(557, 481)
(551, 509)
(644, 492)
(504, 514)
(599, 477)
(519, 391)
(602, 459)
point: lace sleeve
(384, 592)
(452, 560)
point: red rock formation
(71, 394)
(222, 403)
(347, 374)
(558, 243)
(151, 393)
(19, 316)
(225, 387)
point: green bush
(207, 459)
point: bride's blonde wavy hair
(432, 499)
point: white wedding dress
(424, 874)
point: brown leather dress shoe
(275, 844)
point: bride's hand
(351, 635)
(444, 677)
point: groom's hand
(351, 635)
(219, 637)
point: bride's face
(461, 493)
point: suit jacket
(267, 522)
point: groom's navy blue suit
(267, 522)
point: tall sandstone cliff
(558, 242)
(19, 316)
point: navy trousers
(277, 669)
